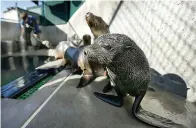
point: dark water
(15, 67)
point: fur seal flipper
(77, 71)
(152, 119)
(129, 71)
(111, 99)
(107, 88)
(85, 80)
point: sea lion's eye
(107, 47)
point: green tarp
(58, 12)
(53, 3)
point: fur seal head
(97, 25)
(86, 39)
(104, 51)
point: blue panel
(15, 87)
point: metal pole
(16, 7)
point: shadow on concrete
(170, 82)
(160, 101)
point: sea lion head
(97, 25)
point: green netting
(55, 13)
(74, 5)
(34, 88)
(53, 3)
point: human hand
(35, 35)
(27, 25)
(22, 39)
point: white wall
(11, 15)
(165, 31)
(105, 9)
(54, 34)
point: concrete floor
(74, 108)
(70, 107)
(15, 112)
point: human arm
(22, 31)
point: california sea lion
(129, 73)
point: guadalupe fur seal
(96, 24)
(129, 72)
(98, 27)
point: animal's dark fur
(129, 69)
(113, 50)
(86, 39)
(97, 25)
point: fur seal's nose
(85, 52)
(88, 14)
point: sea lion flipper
(111, 99)
(85, 80)
(107, 88)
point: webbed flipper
(151, 89)
(107, 88)
(111, 99)
(85, 80)
(77, 71)
(151, 118)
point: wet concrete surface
(15, 112)
(72, 108)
